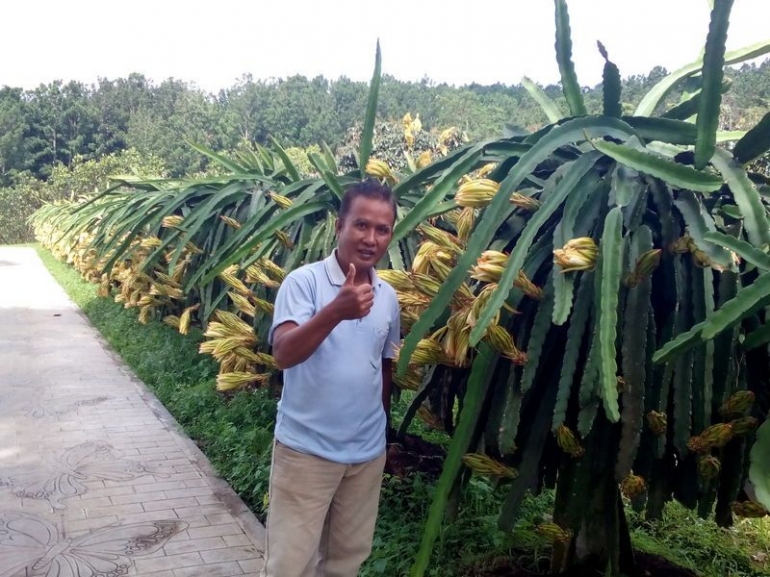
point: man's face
(364, 234)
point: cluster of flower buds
(686, 244)
(577, 254)
(380, 169)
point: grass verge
(235, 433)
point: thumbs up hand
(354, 301)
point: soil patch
(412, 454)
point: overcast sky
(214, 43)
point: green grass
(700, 545)
(235, 433)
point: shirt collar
(337, 276)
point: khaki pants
(321, 516)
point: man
(334, 333)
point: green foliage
(299, 157)
(569, 79)
(235, 433)
(713, 73)
(389, 145)
(478, 383)
(611, 86)
(667, 203)
(703, 547)
(572, 180)
(55, 123)
(83, 177)
(367, 133)
(760, 465)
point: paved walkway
(96, 477)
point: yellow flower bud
(696, 445)
(657, 422)
(577, 254)
(440, 237)
(633, 486)
(737, 404)
(398, 279)
(427, 352)
(529, 288)
(485, 465)
(380, 169)
(172, 221)
(465, 223)
(568, 443)
(476, 193)
(150, 242)
(717, 435)
(429, 418)
(231, 222)
(525, 202)
(554, 532)
(744, 425)
(749, 509)
(280, 200)
(708, 466)
(484, 171)
(284, 239)
(682, 245)
(411, 380)
(489, 266)
(645, 266)
(501, 340)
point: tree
(13, 153)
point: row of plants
(234, 430)
(583, 306)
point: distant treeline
(56, 122)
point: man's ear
(338, 226)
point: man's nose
(369, 236)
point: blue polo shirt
(331, 405)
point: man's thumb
(350, 280)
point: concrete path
(96, 477)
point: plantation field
(583, 384)
(235, 433)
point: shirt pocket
(379, 335)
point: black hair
(369, 188)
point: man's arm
(294, 343)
